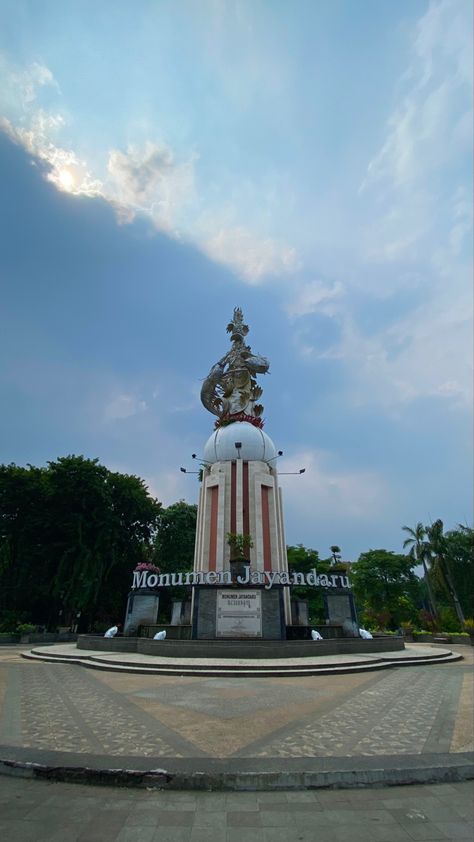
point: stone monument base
(240, 649)
(238, 613)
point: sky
(165, 161)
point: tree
(385, 586)
(302, 560)
(175, 537)
(70, 534)
(443, 553)
(24, 513)
(420, 552)
(174, 549)
(460, 555)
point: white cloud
(424, 354)
(324, 490)
(21, 85)
(168, 486)
(313, 297)
(151, 181)
(416, 234)
(122, 406)
(436, 97)
(427, 136)
(33, 77)
(253, 256)
(65, 170)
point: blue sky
(164, 162)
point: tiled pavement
(32, 811)
(48, 708)
(66, 708)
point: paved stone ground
(66, 708)
(32, 811)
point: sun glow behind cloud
(66, 181)
(148, 180)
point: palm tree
(438, 548)
(420, 552)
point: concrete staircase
(240, 668)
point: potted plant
(240, 543)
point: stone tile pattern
(32, 811)
(59, 707)
(463, 736)
(394, 716)
(63, 708)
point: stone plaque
(339, 608)
(142, 610)
(299, 612)
(239, 614)
(176, 612)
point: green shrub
(26, 628)
(9, 620)
(448, 621)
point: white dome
(255, 444)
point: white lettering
(312, 578)
(139, 579)
(194, 578)
(244, 580)
(270, 577)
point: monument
(240, 529)
(240, 582)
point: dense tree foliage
(175, 537)
(302, 560)
(386, 588)
(174, 550)
(69, 535)
(419, 552)
(448, 565)
(72, 532)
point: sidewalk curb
(346, 773)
